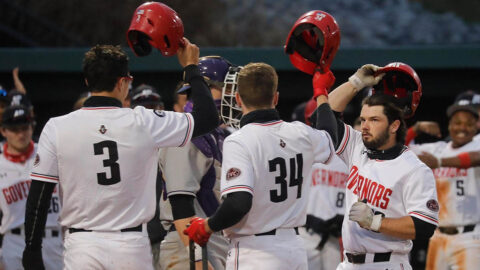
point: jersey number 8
(296, 178)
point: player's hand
(197, 232)
(32, 260)
(322, 82)
(361, 213)
(189, 54)
(365, 76)
(428, 127)
(430, 160)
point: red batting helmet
(155, 24)
(402, 82)
(313, 41)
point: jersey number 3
(110, 162)
(296, 179)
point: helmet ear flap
(140, 43)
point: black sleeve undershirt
(235, 206)
(326, 121)
(38, 202)
(204, 112)
(423, 229)
(182, 206)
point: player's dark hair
(103, 65)
(257, 84)
(391, 110)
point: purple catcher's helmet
(214, 69)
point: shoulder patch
(37, 160)
(159, 113)
(233, 173)
(433, 205)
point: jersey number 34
(294, 173)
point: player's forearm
(180, 226)
(204, 111)
(231, 211)
(326, 120)
(38, 202)
(341, 96)
(463, 160)
(403, 227)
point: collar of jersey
(102, 101)
(387, 154)
(260, 116)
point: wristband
(376, 223)
(356, 82)
(465, 161)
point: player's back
(107, 163)
(281, 155)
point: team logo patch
(37, 160)
(233, 173)
(282, 143)
(433, 205)
(102, 129)
(159, 113)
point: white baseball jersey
(15, 184)
(458, 189)
(105, 159)
(271, 161)
(398, 187)
(327, 189)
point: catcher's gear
(322, 82)
(32, 259)
(214, 69)
(196, 231)
(361, 213)
(313, 42)
(155, 24)
(230, 111)
(402, 82)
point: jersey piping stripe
(424, 216)
(268, 123)
(99, 108)
(237, 187)
(189, 128)
(344, 143)
(44, 176)
(237, 254)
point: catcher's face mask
(230, 112)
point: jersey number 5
(296, 178)
(110, 162)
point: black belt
(455, 230)
(132, 229)
(274, 231)
(360, 258)
(18, 231)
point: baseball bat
(204, 257)
(191, 249)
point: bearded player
(391, 195)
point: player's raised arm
(204, 111)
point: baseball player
(325, 209)
(105, 159)
(390, 196)
(16, 161)
(192, 181)
(456, 243)
(262, 181)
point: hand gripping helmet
(214, 69)
(155, 24)
(313, 42)
(403, 83)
